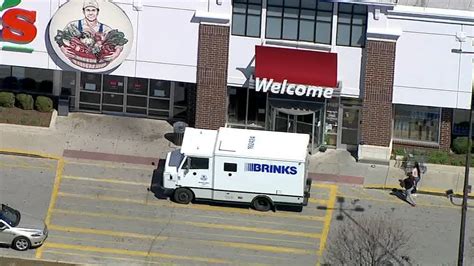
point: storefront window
(246, 107)
(113, 84)
(30, 79)
(256, 108)
(137, 86)
(91, 82)
(305, 20)
(460, 123)
(246, 17)
(181, 94)
(236, 109)
(160, 88)
(417, 123)
(332, 111)
(351, 25)
(68, 86)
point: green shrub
(438, 157)
(399, 151)
(7, 99)
(460, 145)
(24, 101)
(44, 104)
(458, 162)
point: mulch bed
(19, 116)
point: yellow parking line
(103, 232)
(74, 186)
(327, 219)
(191, 206)
(318, 201)
(52, 202)
(158, 220)
(398, 201)
(197, 224)
(111, 165)
(267, 248)
(322, 185)
(5, 165)
(135, 253)
(107, 180)
(104, 257)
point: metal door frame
(340, 118)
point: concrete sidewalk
(143, 141)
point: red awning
(296, 66)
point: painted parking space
(106, 217)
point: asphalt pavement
(102, 213)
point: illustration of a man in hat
(94, 35)
(90, 22)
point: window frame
(315, 21)
(189, 161)
(246, 15)
(351, 24)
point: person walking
(416, 173)
(409, 184)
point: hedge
(7, 99)
(24, 101)
(44, 104)
(460, 145)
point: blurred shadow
(399, 193)
(157, 179)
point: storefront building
(358, 76)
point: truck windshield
(10, 215)
(176, 158)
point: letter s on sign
(18, 25)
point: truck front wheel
(183, 196)
(262, 204)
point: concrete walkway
(143, 141)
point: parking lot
(103, 213)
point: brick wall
(376, 127)
(211, 91)
(445, 132)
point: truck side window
(199, 163)
(230, 167)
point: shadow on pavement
(400, 194)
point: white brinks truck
(262, 168)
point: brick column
(445, 133)
(211, 93)
(376, 127)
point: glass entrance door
(305, 122)
(350, 128)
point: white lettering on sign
(265, 85)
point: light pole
(466, 179)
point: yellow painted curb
(431, 191)
(30, 153)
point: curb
(52, 122)
(434, 192)
(29, 261)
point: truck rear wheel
(183, 196)
(262, 204)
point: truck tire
(183, 196)
(262, 204)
